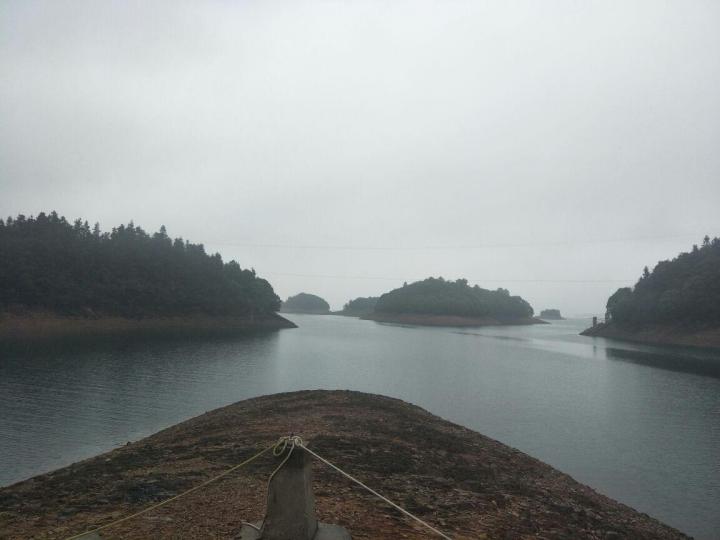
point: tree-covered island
(359, 307)
(551, 314)
(56, 274)
(438, 302)
(678, 302)
(305, 303)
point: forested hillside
(436, 296)
(552, 314)
(48, 263)
(305, 303)
(684, 289)
(359, 306)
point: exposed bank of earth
(464, 483)
(422, 319)
(686, 335)
(62, 279)
(40, 326)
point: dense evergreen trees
(48, 263)
(435, 296)
(685, 289)
(360, 306)
(305, 303)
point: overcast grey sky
(341, 148)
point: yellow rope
(278, 449)
(163, 503)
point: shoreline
(659, 334)
(447, 320)
(289, 312)
(48, 326)
(469, 485)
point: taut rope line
(398, 507)
(166, 501)
(278, 448)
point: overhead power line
(385, 278)
(491, 245)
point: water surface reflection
(641, 424)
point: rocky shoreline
(466, 484)
(448, 320)
(707, 337)
(41, 326)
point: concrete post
(291, 506)
(291, 503)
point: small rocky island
(677, 303)
(60, 278)
(305, 303)
(438, 302)
(551, 315)
(466, 484)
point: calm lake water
(640, 424)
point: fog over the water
(341, 148)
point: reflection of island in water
(136, 389)
(672, 358)
(681, 361)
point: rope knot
(284, 442)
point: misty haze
(467, 253)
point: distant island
(305, 303)
(59, 277)
(437, 302)
(359, 307)
(551, 315)
(678, 303)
